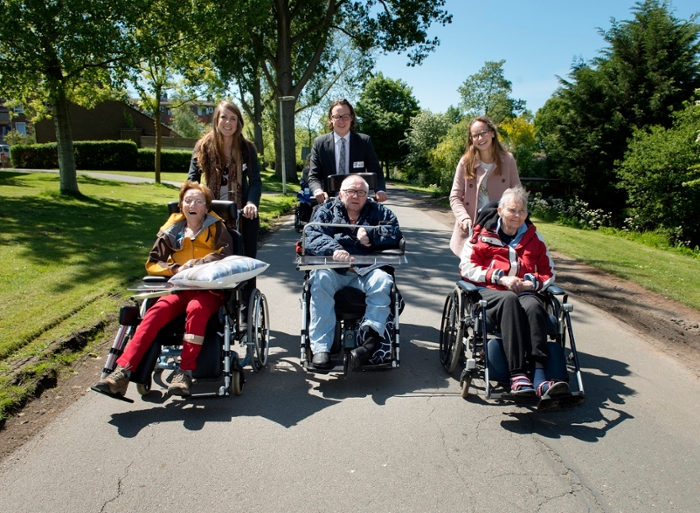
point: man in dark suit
(341, 152)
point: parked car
(4, 155)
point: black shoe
(322, 360)
(359, 357)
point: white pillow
(222, 274)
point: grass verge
(668, 272)
(67, 263)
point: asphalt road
(395, 441)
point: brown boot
(115, 383)
(180, 383)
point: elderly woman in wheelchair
(193, 236)
(507, 275)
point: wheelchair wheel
(258, 331)
(143, 389)
(297, 220)
(451, 332)
(237, 383)
(466, 383)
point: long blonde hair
(210, 154)
(470, 154)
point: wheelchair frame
(347, 323)
(256, 339)
(464, 340)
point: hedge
(100, 155)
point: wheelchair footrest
(561, 402)
(113, 396)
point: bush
(661, 176)
(99, 155)
(105, 155)
(171, 161)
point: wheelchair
(470, 341)
(224, 330)
(350, 302)
(304, 207)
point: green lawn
(666, 272)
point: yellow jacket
(172, 249)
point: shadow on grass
(101, 237)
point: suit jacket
(363, 159)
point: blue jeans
(326, 282)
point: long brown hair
(210, 154)
(470, 154)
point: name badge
(359, 164)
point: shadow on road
(591, 421)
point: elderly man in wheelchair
(507, 286)
(345, 229)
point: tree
(186, 123)
(651, 66)
(385, 110)
(291, 38)
(487, 93)
(169, 34)
(425, 133)
(661, 174)
(55, 52)
(519, 137)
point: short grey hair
(353, 176)
(513, 195)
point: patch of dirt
(668, 325)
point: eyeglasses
(480, 134)
(192, 201)
(344, 117)
(355, 192)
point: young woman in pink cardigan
(484, 172)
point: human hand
(512, 283)
(363, 237)
(320, 196)
(185, 266)
(250, 211)
(380, 196)
(341, 255)
(466, 225)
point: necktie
(341, 162)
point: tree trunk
(64, 142)
(156, 117)
(257, 119)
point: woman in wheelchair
(191, 237)
(378, 228)
(507, 257)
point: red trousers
(198, 305)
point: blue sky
(538, 39)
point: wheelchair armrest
(155, 279)
(400, 249)
(557, 291)
(467, 287)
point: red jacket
(485, 258)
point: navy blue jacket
(380, 223)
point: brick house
(18, 122)
(110, 120)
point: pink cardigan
(464, 195)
